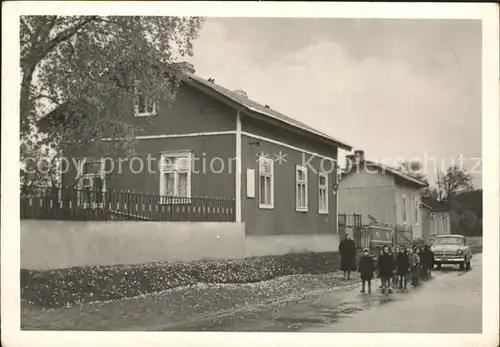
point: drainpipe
(238, 167)
(336, 193)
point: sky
(395, 88)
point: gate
(353, 224)
(403, 235)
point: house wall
(61, 244)
(426, 224)
(413, 213)
(368, 193)
(435, 222)
(283, 219)
(191, 113)
(213, 166)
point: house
(381, 194)
(435, 218)
(215, 142)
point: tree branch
(66, 35)
(44, 96)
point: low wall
(475, 243)
(47, 244)
(61, 244)
(262, 245)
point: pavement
(448, 303)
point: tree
(454, 181)
(93, 66)
(413, 169)
(432, 192)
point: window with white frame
(144, 105)
(91, 182)
(175, 174)
(403, 209)
(266, 183)
(301, 188)
(323, 193)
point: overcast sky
(394, 88)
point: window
(323, 193)
(403, 208)
(175, 174)
(301, 188)
(144, 105)
(91, 182)
(266, 183)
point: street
(448, 303)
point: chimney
(359, 156)
(241, 93)
(184, 66)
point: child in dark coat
(394, 272)
(403, 266)
(428, 260)
(386, 267)
(421, 264)
(366, 269)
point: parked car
(451, 249)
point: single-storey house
(435, 218)
(215, 142)
(381, 194)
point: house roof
(243, 101)
(392, 171)
(263, 110)
(433, 204)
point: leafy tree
(432, 192)
(92, 66)
(413, 169)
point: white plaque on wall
(250, 183)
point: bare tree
(454, 181)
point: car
(451, 249)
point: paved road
(449, 303)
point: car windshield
(448, 241)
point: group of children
(394, 268)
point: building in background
(435, 218)
(381, 194)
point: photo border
(10, 236)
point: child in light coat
(414, 261)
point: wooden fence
(74, 204)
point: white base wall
(283, 244)
(62, 244)
(47, 244)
